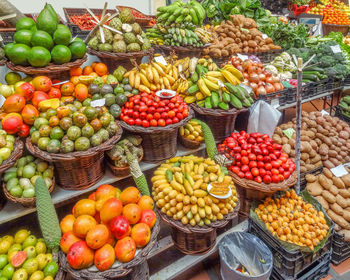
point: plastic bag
(263, 118)
(241, 248)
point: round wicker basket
(328, 28)
(3, 61)
(77, 170)
(121, 171)
(114, 273)
(187, 143)
(16, 154)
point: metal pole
(298, 122)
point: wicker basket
(120, 171)
(113, 60)
(221, 122)
(142, 21)
(159, 143)
(195, 239)
(3, 61)
(26, 202)
(187, 143)
(328, 28)
(77, 170)
(180, 51)
(16, 154)
(120, 271)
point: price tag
(2, 100)
(336, 49)
(339, 171)
(289, 132)
(221, 84)
(161, 60)
(249, 89)
(242, 56)
(323, 112)
(264, 36)
(98, 102)
(275, 103)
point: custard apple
(118, 37)
(133, 47)
(119, 47)
(136, 28)
(107, 34)
(116, 23)
(146, 44)
(105, 47)
(129, 38)
(93, 43)
(126, 16)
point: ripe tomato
(156, 116)
(138, 122)
(238, 157)
(255, 171)
(145, 123)
(180, 116)
(244, 153)
(286, 174)
(268, 166)
(248, 176)
(275, 164)
(261, 164)
(153, 122)
(168, 121)
(244, 160)
(171, 114)
(259, 158)
(149, 117)
(241, 174)
(258, 179)
(245, 168)
(262, 172)
(131, 121)
(253, 164)
(161, 122)
(252, 157)
(164, 115)
(274, 171)
(175, 120)
(267, 179)
(235, 169)
(275, 179)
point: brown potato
(337, 209)
(338, 219)
(324, 181)
(338, 183)
(346, 215)
(329, 196)
(328, 173)
(341, 201)
(346, 234)
(328, 164)
(310, 178)
(346, 180)
(314, 188)
(344, 193)
(323, 202)
(334, 190)
(286, 148)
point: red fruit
(26, 90)
(14, 103)
(235, 169)
(18, 259)
(120, 227)
(258, 179)
(248, 175)
(104, 257)
(54, 93)
(268, 166)
(67, 240)
(80, 256)
(141, 234)
(245, 168)
(38, 97)
(11, 123)
(267, 179)
(29, 114)
(42, 83)
(245, 160)
(125, 249)
(262, 172)
(253, 164)
(255, 171)
(275, 179)
(23, 130)
(148, 217)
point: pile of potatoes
(329, 138)
(334, 195)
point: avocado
(46, 21)
(53, 12)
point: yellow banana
(212, 86)
(170, 73)
(201, 60)
(176, 85)
(203, 88)
(143, 66)
(166, 83)
(215, 74)
(132, 78)
(161, 83)
(238, 74)
(199, 96)
(189, 99)
(155, 75)
(144, 88)
(137, 80)
(167, 68)
(158, 68)
(229, 77)
(143, 71)
(170, 78)
(161, 65)
(126, 75)
(212, 79)
(144, 80)
(149, 74)
(175, 73)
(153, 87)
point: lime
(78, 49)
(39, 57)
(8, 47)
(8, 271)
(51, 269)
(29, 193)
(61, 54)
(16, 191)
(18, 54)
(42, 39)
(62, 35)
(28, 171)
(25, 23)
(23, 37)
(3, 261)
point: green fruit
(53, 14)
(82, 144)
(8, 271)
(39, 57)
(61, 54)
(43, 142)
(48, 173)
(21, 236)
(20, 274)
(48, 257)
(18, 54)
(66, 123)
(37, 275)
(96, 96)
(35, 137)
(87, 130)
(56, 133)
(25, 23)
(4, 246)
(29, 241)
(39, 122)
(5, 153)
(104, 134)
(21, 162)
(28, 171)
(16, 192)
(45, 130)
(78, 49)
(23, 37)
(13, 182)
(53, 146)
(73, 133)
(33, 179)
(51, 112)
(10, 175)
(44, 115)
(62, 35)
(51, 269)
(90, 112)
(96, 140)
(25, 183)
(29, 193)
(128, 88)
(42, 166)
(118, 89)
(87, 102)
(106, 119)
(121, 99)
(42, 261)
(112, 129)
(125, 81)
(109, 99)
(135, 91)
(3, 261)
(15, 247)
(77, 105)
(46, 21)
(30, 251)
(30, 265)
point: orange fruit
(81, 92)
(84, 207)
(93, 65)
(125, 249)
(141, 234)
(146, 202)
(130, 195)
(67, 89)
(110, 209)
(101, 69)
(104, 257)
(67, 240)
(75, 80)
(97, 237)
(82, 225)
(105, 191)
(87, 70)
(93, 74)
(75, 71)
(66, 223)
(132, 212)
(92, 196)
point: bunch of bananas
(203, 34)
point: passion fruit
(90, 112)
(87, 131)
(67, 146)
(73, 133)
(45, 130)
(53, 146)
(56, 133)
(66, 123)
(82, 144)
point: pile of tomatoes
(148, 109)
(256, 157)
(335, 16)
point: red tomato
(164, 115)
(238, 157)
(149, 117)
(267, 159)
(143, 115)
(156, 116)
(131, 121)
(138, 122)
(268, 166)
(255, 171)
(258, 179)
(244, 160)
(153, 122)
(171, 114)
(261, 164)
(244, 153)
(262, 172)
(161, 122)
(168, 121)
(286, 174)
(275, 179)
(179, 116)
(275, 164)
(280, 170)
(274, 171)
(135, 115)
(252, 157)
(145, 123)
(253, 164)
(175, 120)
(235, 169)
(248, 176)
(283, 159)
(245, 168)
(267, 179)
(259, 158)
(241, 174)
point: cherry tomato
(161, 122)
(267, 179)
(255, 171)
(244, 160)
(153, 122)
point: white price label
(264, 36)
(221, 84)
(339, 171)
(98, 102)
(323, 112)
(2, 100)
(161, 60)
(336, 49)
(275, 103)
(289, 132)
(242, 57)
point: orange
(141, 234)
(66, 223)
(97, 237)
(82, 225)
(84, 207)
(101, 69)
(87, 70)
(110, 209)
(132, 212)
(75, 71)
(146, 203)
(75, 80)
(93, 65)
(81, 92)
(67, 89)
(130, 195)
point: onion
(260, 90)
(254, 86)
(275, 79)
(252, 69)
(269, 80)
(278, 86)
(262, 77)
(246, 64)
(269, 88)
(253, 77)
(245, 75)
(240, 68)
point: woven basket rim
(49, 69)
(22, 200)
(113, 167)
(150, 130)
(197, 229)
(119, 56)
(122, 270)
(16, 154)
(335, 25)
(3, 61)
(34, 149)
(184, 141)
(262, 187)
(179, 48)
(217, 112)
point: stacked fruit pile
(44, 41)
(20, 179)
(325, 5)
(23, 256)
(192, 131)
(127, 37)
(180, 189)
(6, 145)
(111, 225)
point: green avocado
(46, 21)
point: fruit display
(238, 35)
(73, 127)
(20, 179)
(334, 12)
(292, 219)
(192, 131)
(180, 190)
(24, 256)
(344, 105)
(126, 37)
(333, 194)
(6, 145)
(118, 153)
(108, 228)
(328, 136)
(44, 41)
(259, 80)
(148, 109)
(257, 157)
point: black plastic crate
(314, 171)
(340, 115)
(291, 263)
(346, 82)
(341, 249)
(318, 270)
(281, 95)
